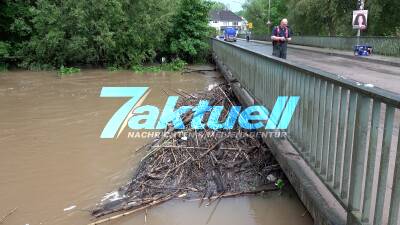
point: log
(132, 211)
(7, 215)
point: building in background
(220, 19)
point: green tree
(333, 17)
(14, 17)
(320, 17)
(218, 6)
(188, 39)
(15, 26)
(383, 17)
(256, 11)
(100, 32)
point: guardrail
(346, 132)
(389, 46)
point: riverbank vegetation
(174, 65)
(64, 71)
(45, 34)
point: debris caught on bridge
(194, 164)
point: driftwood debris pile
(195, 164)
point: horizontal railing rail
(347, 132)
(389, 46)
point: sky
(233, 5)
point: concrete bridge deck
(368, 72)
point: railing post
(359, 151)
(395, 202)
(369, 178)
(384, 165)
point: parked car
(230, 34)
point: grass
(65, 71)
(146, 69)
(175, 65)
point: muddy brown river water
(52, 157)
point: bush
(189, 37)
(64, 71)
(4, 50)
(113, 68)
(3, 67)
(145, 69)
(97, 32)
(173, 66)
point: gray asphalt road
(383, 76)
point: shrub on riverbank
(4, 54)
(64, 71)
(174, 65)
(95, 32)
(120, 33)
(3, 67)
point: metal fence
(346, 132)
(389, 46)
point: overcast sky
(233, 5)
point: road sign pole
(360, 6)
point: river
(54, 167)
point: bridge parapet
(389, 46)
(347, 132)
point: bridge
(341, 153)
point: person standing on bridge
(281, 35)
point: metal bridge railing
(389, 46)
(347, 132)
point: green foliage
(99, 32)
(383, 17)
(322, 17)
(15, 20)
(256, 11)
(173, 66)
(4, 50)
(3, 67)
(218, 6)
(48, 34)
(189, 37)
(279, 184)
(4, 54)
(145, 69)
(113, 68)
(64, 71)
